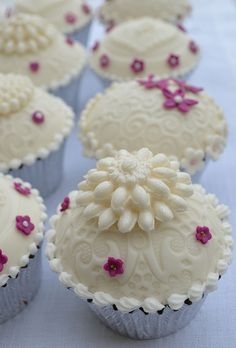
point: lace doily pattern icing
(146, 40)
(67, 16)
(23, 34)
(129, 115)
(19, 242)
(134, 189)
(162, 268)
(118, 11)
(15, 93)
(37, 128)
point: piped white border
(38, 236)
(150, 304)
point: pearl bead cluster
(15, 93)
(23, 34)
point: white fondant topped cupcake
(67, 16)
(137, 234)
(32, 122)
(144, 46)
(117, 11)
(22, 214)
(167, 116)
(29, 45)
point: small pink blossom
(95, 46)
(38, 117)
(193, 47)
(110, 26)
(114, 266)
(24, 224)
(137, 66)
(173, 60)
(86, 9)
(23, 190)
(189, 88)
(104, 61)
(177, 100)
(65, 204)
(149, 83)
(3, 260)
(34, 67)
(69, 41)
(203, 234)
(70, 18)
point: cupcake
(72, 17)
(33, 128)
(166, 116)
(31, 46)
(22, 226)
(117, 11)
(140, 244)
(141, 47)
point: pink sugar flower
(86, 9)
(23, 190)
(114, 266)
(149, 83)
(193, 47)
(95, 46)
(65, 204)
(137, 66)
(173, 60)
(177, 100)
(38, 117)
(70, 18)
(104, 61)
(24, 224)
(203, 234)
(34, 67)
(3, 260)
(69, 41)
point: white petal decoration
(132, 189)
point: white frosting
(165, 266)
(27, 40)
(146, 39)
(22, 140)
(55, 12)
(117, 11)
(130, 116)
(15, 245)
(134, 189)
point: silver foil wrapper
(70, 93)
(19, 292)
(141, 326)
(45, 174)
(82, 35)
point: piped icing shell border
(200, 155)
(149, 305)
(33, 247)
(43, 152)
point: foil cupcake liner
(45, 174)
(70, 93)
(19, 292)
(142, 326)
(82, 35)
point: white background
(57, 318)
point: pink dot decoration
(38, 117)
(70, 18)
(70, 41)
(173, 60)
(104, 61)
(86, 9)
(34, 67)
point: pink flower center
(70, 18)
(178, 99)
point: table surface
(57, 318)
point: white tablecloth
(57, 318)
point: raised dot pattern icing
(118, 11)
(166, 266)
(146, 39)
(15, 93)
(131, 116)
(23, 35)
